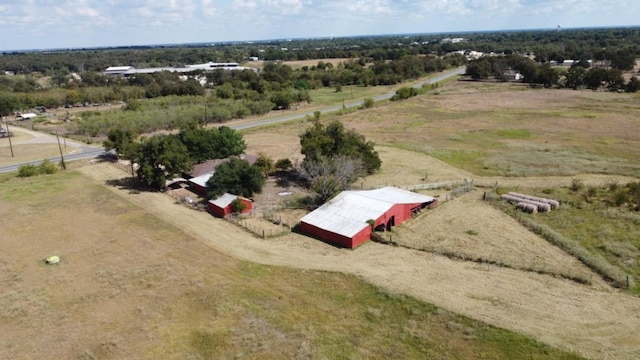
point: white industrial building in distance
(130, 70)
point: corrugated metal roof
(202, 179)
(347, 213)
(224, 200)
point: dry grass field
(144, 277)
(27, 146)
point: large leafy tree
(160, 158)
(334, 158)
(7, 104)
(214, 143)
(330, 141)
(120, 140)
(237, 177)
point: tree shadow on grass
(128, 183)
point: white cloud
(285, 7)
(64, 23)
(376, 7)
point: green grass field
(606, 231)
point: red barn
(221, 206)
(345, 220)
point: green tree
(119, 139)
(214, 143)
(594, 78)
(613, 80)
(283, 165)
(265, 164)
(319, 142)
(546, 76)
(623, 59)
(7, 104)
(574, 78)
(479, 69)
(159, 158)
(633, 85)
(237, 177)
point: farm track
(595, 321)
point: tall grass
(580, 249)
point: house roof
(210, 166)
(348, 213)
(206, 167)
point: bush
(47, 167)
(368, 103)
(237, 206)
(28, 170)
(404, 93)
(576, 185)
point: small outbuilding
(221, 206)
(349, 219)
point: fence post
(263, 234)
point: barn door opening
(391, 223)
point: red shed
(221, 206)
(345, 219)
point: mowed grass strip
(130, 286)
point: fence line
(493, 263)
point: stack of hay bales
(526, 207)
(527, 203)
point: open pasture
(132, 284)
(167, 267)
(501, 129)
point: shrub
(28, 170)
(237, 206)
(368, 103)
(576, 185)
(47, 167)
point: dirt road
(595, 321)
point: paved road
(90, 152)
(297, 116)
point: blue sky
(45, 24)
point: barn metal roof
(224, 200)
(347, 213)
(202, 179)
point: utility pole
(205, 115)
(64, 167)
(9, 135)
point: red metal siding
(344, 241)
(216, 210)
(202, 191)
(248, 205)
(222, 212)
